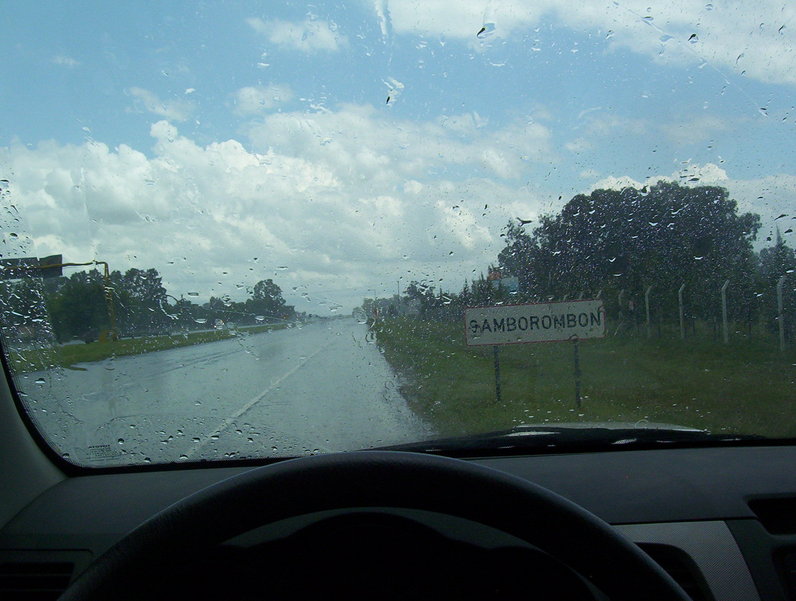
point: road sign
(26, 267)
(539, 322)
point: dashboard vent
(679, 565)
(34, 581)
(778, 516)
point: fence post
(647, 302)
(781, 313)
(724, 311)
(682, 316)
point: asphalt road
(317, 388)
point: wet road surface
(318, 388)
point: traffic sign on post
(538, 322)
(25, 267)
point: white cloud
(174, 110)
(579, 145)
(253, 100)
(738, 36)
(364, 141)
(63, 60)
(694, 130)
(347, 201)
(306, 36)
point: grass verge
(71, 354)
(747, 387)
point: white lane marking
(248, 405)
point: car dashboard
(720, 520)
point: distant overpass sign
(25, 267)
(539, 322)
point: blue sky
(196, 139)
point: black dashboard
(722, 521)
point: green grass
(746, 387)
(69, 355)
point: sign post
(576, 341)
(725, 329)
(539, 322)
(496, 350)
(781, 313)
(682, 314)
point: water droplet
(259, 317)
(200, 320)
(193, 294)
(487, 30)
(610, 34)
(693, 38)
(40, 381)
(120, 441)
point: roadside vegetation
(72, 354)
(675, 267)
(745, 388)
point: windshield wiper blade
(573, 436)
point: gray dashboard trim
(712, 547)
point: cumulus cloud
(174, 110)
(254, 100)
(737, 37)
(360, 139)
(331, 205)
(63, 60)
(307, 36)
(693, 130)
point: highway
(316, 388)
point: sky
(345, 149)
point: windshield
(249, 230)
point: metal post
(647, 302)
(781, 313)
(680, 302)
(496, 350)
(577, 372)
(724, 311)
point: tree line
(84, 305)
(621, 245)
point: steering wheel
(364, 479)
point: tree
(665, 235)
(78, 308)
(267, 300)
(775, 262)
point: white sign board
(542, 322)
